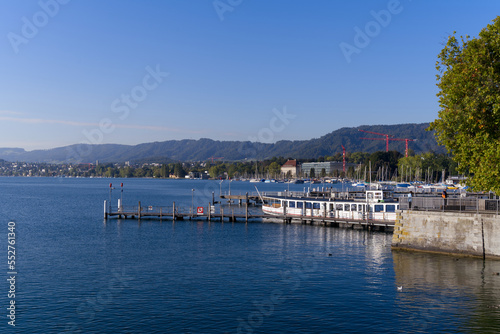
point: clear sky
(130, 72)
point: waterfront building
(329, 166)
(292, 167)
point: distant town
(390, 165)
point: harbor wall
(472, 234)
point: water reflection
(462, 294)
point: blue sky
(131, 72)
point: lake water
(77, 273)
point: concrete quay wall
(471, 234)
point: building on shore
(330, 167)
(292, 167)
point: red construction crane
(406, 142)
(380, 134)
(387, 140)
(212, 158)
(343, 158)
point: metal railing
(465, 204)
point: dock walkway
(234, 214)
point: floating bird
(400, 288)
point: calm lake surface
(77, 273)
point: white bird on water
(400, 288)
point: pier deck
(237, 213)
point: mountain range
(204, 149)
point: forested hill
(203, 149)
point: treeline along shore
(390, 165)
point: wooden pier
(234, 214)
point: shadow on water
(462, 292)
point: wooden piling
(209, 210)
(139, 210)
(105, 209)
(246, 207)
(173, 211)
(284, 211)
(221, 215)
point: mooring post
(139, 210)
(160, 211)
(246, 207)
(209, 210)
(232, 210)
(173, 211)
(284, 211)
(105, 209)
(221, 214)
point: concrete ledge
(457, 233)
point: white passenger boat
(373, 207)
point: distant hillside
(203, 149)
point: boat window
(379, 208)
(331, 207)
(353, 207)
(347, 207)
(308, 205)
(315, 205)
(361, 208)
(291, 204)
(339, 207)
(390, 208)
(300, 205)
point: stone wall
(472, 234)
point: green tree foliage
(179, 170)
(426, 166)
(469, 100)
(386, 159)
(274, 169)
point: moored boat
(373, 207)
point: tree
(179, 170)
(469, 100)
(274, 169)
